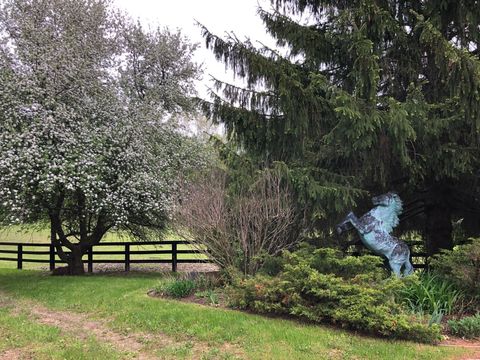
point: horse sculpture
(375, 227)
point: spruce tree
(363, 97)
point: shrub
(468, 327)
(272, 265)
(430, 294)
(176, 288)
(184, 285)
(461, 266)
(241, 229)
(309, 287)
(206, 281)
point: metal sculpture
(375, 227)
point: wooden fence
(419, 257)
(17, 252)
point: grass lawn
(193, 331)
(21, 337)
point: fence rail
(18, 249)
(419, 257)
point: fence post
(52, 257)
(19, 257)
(127, 257)
(174, 257)
(90, 260)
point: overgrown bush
(239, 229)
(468, 327)
(321, 285)
(461, 266)
(430, 294)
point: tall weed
(432, 295)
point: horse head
(387, 199)
(392, 206)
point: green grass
(123, 299)
(38, 234)
(30, 340)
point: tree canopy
(363, 97)
(85, 137)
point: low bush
(272, 265)
(187, 284)
(321, 285)
(430, 294)
(468, 327)
(461, 266)
(176, 288)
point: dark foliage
(369, 96)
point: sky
(219, 16)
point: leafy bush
(176, 288)
(461, 266)
(272, 265)
(468, 327)
(430, 294)
(323, 286)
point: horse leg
(395, 266)
(358, 224)
(408, 268)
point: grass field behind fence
(17, 234)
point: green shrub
(272, 265)
(468, 327)
(176, 288)
(461, 266)
(184, 285)
(323, 286)
(433, 295)
(332, 261)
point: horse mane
(389, 214)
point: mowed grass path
(122, 302)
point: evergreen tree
(368, 96)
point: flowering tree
(84, 140)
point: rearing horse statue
(375, 227)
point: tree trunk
(75, 263)
(438, 226)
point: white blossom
(83, 98)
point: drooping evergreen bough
(364, 96)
